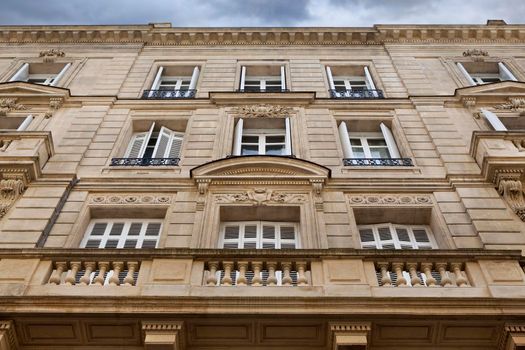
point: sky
(243, 13)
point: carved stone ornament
(469, 102)
(262, 111)
(9, 104)
(50, 55)
(260, 196)
(520, 144)
(10, 191)
(7, 328)
(476, 54)
(54, 104)
(390, 199)
(510, 187)
(130, 199)
(515, 104)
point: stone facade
(132, 157)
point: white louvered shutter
(22, 74)
(466, 74)
(243, 78)
(283, 78)
(25, 123)
(135, 148)
(493, 119)
(163, 141)
(287, 138)
(505, 73)
(390, 141)
(345, 141)
(237, 138)
(175, 144)
(60, 75)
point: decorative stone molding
(163, 335)
(510, 187)
(519, 143)
(515, 104)
(55, 103)
(262, 111)
(51, 55)
(9, 104)
(468, 101)
(130, 199)
(476, 54)
(352, 335)
(10, 191)
(261, 196)
(390, 199)
(513, 336)
(7, 328)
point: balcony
(378, 162)
(144, 161)
(168, 94)
(357, 94)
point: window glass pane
(134, 229)
(379, 153)
(402, 234)
(231, 232)
(355, 142)
(358, 152)
(250, 245)
(247, 150)
(92, 243)
(111, 243)
(231, 245)
(275, 150)
(366, 235)
(384, 233)
(250, 231)
(275, 139)
(149, 244)
(287, 232)
(268, 232)
(376, 142)
(287, 245)
(421, 236)
(153, 229)
(268, 245)
(130, 243)
(116, 230)
(99, 229)
(250, 139)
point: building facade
(262, 188)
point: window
(379, 145)
(15, 123)
(262, 79)
(163, 143)
(174, 82)
(503, 123)
(478, 73)
(392, 236)
(41, 73)
(122, 233)
(267, 138)
(258, 235)
(351, 82)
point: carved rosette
(49, 56)
(260, 196)
(262, 111)
(390, 199)
(510, 187)
(130, 199)
(9, 104)
(10, 191)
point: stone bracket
(8, 340)
(513, 337)
(350, 335)
(163, 335)
(510, 187)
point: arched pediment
(253, 169)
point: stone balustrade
(101, 273)
(257, 273)
(422, 274)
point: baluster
(414, 278)
(445, 280)
(117, 267)
(57, 274)
(398, 269)
(287, 279)
(129, 280)
(227, 267)
(72, 273)
(102, 268)
(461, 281)
(427, 270)
(386, 281)
(301, 276)
(212, 273)
(86, 277)
(272, 280)
(243, 266)
(257, 267)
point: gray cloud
(240, 13)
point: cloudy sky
(216, 13)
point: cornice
(164, 34)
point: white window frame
(124, 236)
(23, 74)
(364, 137)
(386, 134)
(262, 79)
(175, 139)
(262, 135)
(239, 132)
(259, 240)
(366, 78)
(493, 120)
(477, 78)
(378, 244)
(179, 80)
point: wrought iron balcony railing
(144, 161)
(168, 94)
(356, 94)
(378, 162)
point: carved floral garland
(260, 196)
(262, 111)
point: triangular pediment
(504, 88)
(22, 89)
(257, 168)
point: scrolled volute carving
(510, 187)
(262, 111)
(49, 56)
(10, 191)
(10, 104)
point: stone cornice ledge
(164, 34)
(288, 98)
